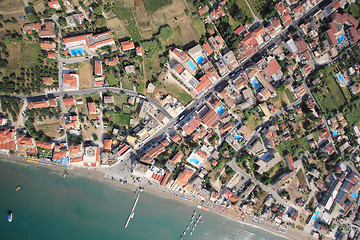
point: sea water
(50, 207)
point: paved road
(269, 190)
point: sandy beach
(99, 175)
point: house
(217, 13)
(54, 4)
(69, 102)
(30, 27)
(127, 45)
(139, 51)
(72, 122)
(47, 80)
(3, 121)
(60, 156)
(204, 84)
(98, 68)
(44, 145)
(7, 140)
(355, 88)
(225, 128)
(92, 108)
(289, 162)
(207, 48)
(130, 70)
(285, 15)
(231, 196)
(146, 108)
(47, 31)
(184, 177)
(87, 42)
(71, 81)
(240, 30)
(177, 158)
(47, 45)
(273, 70)
(108, 99)
(112, 61)
(75, 19)
(42, 104)
(52, 55)
(91, 156)
(107, 145)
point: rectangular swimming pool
(340, 77)
(191, 65)
(77, 51)
(256, 84)
(194, 160)
(200, 59)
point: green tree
(101, 22)
(152, 47)
(97, 10)
(166, 33)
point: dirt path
(20, 121)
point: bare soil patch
(86, 75)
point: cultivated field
(49, 126)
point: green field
(199, 26)
(127, 16)
(152, 6)
(328, 94)
(352, 112)
(111, 79)
(120, 99)
(293, 147)
(120, 119)
(178, 93)
(355, 10)
(30, 51)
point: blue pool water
(340, 39)
(77, 51)
(335, 134)
(200, 60)
(340, 77)
(314, 217)
(267, 156)
(354, 195)
(194, 160)
(257, 85)
(220, 109)
(191, 64)
(237, 137)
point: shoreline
(98, 175)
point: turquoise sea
(51, 207)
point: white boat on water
(191, 222)
(10, 216)
(190, 233)
(184, 233)
(187, 228)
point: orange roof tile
(184, 177)
(69, 102)
(127, 45)
(91, 107)
(207, 48)
(44, 145)
(107, 144)
(177, 157)
(70, 79)
(47, 80)
(97, 68)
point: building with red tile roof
(203, 10)
(47, 31)
(283, 13)
(190, 126)
(272, 68)
(231, 196)
(89, 41)
(47, 80)
(98, 68)
(44, 145)
(124, 147)
(42, 104)
(127, 45)
(225, 128)
(52, 55)
(289, 162)
(176, 138)
(354, 34)
(217, 13)
(177, 158)
(70, 81)
(107, 145)
(69, 102)
(29, 27)
(165, 178)
(204, 84)
(139, 51)
(207, 48)
(184, 177)
(239, 30)
(7, 140)
(112, 61)
(91, 108)
(47, 45)
(54, 4)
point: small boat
(184, 233)
(200, 216)
(187, 228)
(10, 216)
(195, 224)
(132, 215)
(191, 222)
(181, 238)
(193, 229)
(201, 221)
(64, 175)
(191, 233)
(17, 188)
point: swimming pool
(256, 84)
(340, 39)
(194, 160)
(220, 109)
(200, 59)
(314, 217)
(267, 156)
(237, 137)
(77, 51)
(191, 65)
(340, 77)
(354, 195)
(335, 134)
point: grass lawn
(152, 6)
(300, 176)
(127, 16)
(120, 99)
(126, 83)
(23, 54)
(178, 93)
(11, 5)
(111, 80)
(352, 112)
(120, 119)
(328, 94)
(346, 93)
(86, 75)
(199, 25)
(244, 7)
(284, 96)
(294, 146)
